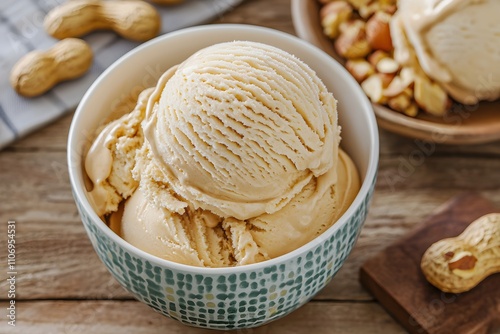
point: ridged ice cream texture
(455, 42)
(241, 128)
(238, 160)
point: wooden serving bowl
(464, 125)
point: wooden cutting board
(395, 279)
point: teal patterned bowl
(237, 297)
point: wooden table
(62, 287)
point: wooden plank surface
(61, 281)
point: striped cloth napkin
(21, 31)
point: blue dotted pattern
(230, 301)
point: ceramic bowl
(475, 124)
(236, 297)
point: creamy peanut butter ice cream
(455, 42)
(232, 159)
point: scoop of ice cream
(456, 43)
(241, 128)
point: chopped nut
(412, 110)
(431, 97)
(333, 14)
(376, 56)
(407, 75)
(408, 91)
(352, 42)
(399, 103)
(401, 83)
(378, 32)
(387, 65)
(373, 88)
(395, 88)
(360, 69)
(386, 79)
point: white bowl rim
(75, 160)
